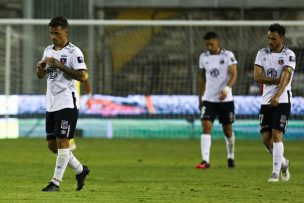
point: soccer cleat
(203, 165)
(285, 175)
(51, 187)
(273, 178)
(230, 163)
(81, 177)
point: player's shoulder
(72, 48)
(204, 54)
(226, 52)
(49, 47)
(288, 52)
(264, 51)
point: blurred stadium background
(143, 76)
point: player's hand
(41, 65)
(53, 62)
(274, 101)
(223, 94)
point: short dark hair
(59, 21)
(276, 27)
(210, 35)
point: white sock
(75, 164)
(62, 161)
(205, 146)
(278, 151)
(284, 162)
(270, 151)
(230, 146)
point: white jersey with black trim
(273, 64)
(217, 75)
(61, 89)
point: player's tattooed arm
(232, 70)
(260, 77)
(80, 75)
(284, 80)
(201, 86)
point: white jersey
(272, 64)
(217, 76)
(61, 89)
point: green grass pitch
(134, 170)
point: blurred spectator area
(156, 60)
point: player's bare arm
(285, 79)
(232, 70)
(80, 75)
(40, 70)
(201, 86)
(260, 77)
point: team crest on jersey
(222, 61)
(80, 59)
(292, 59)
(64, 124)
(272, 73)
(63, 60)
(281, 61)
(214, 72)
(52, 73)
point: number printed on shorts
(261, 116)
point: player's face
(213, 45)
(275, 41)
(59, 36)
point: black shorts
(61, 124)
(224, 111)
(274, 117)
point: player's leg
(81, 170)
(63, 157)
(61, 131)
(52, 145)
(207, 118)
(280, 121)
(268, 142)
(265, 117)
(230, 143)
(226, 118)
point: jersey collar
(63, 46)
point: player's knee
(52, 147)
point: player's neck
(218, 51)
(61, 46)
(278, 50)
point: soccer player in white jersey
(63, 63)
(218, 73)
(274, 67)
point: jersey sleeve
(201, 62)
(77, 60)
(291, 60)
(258, 59)
(231, 59)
